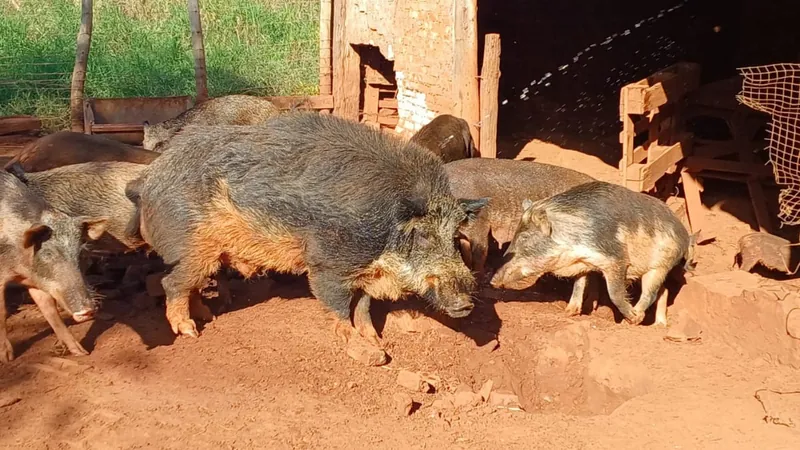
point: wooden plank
(303, 102)
(489, 101)
(760, 206)
(389, 103)
(88, 116)
(346, 66)
(19, 124)
(466, 94)
(656, 169)
(695, 211)
(697, 164)
(668, 85)
(99, 128)
(371, 94)
(388, 120)
(325, 39)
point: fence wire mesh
(143, 48)
(775, 89)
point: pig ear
(94, 227)
(473, 207)
(36, 235)
(538, 219)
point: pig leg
(652, 285)
(223, 288)
(615, 282)
(576, 300)
(362, 320)
(178, 302)
(332, 290)
(480, 249)
(47, 305)
(6, 350)
(198, 309)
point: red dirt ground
(271, 374)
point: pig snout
(512, 276)
(461, 307)
(84, 315)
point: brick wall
(419, 38)
(423, 47)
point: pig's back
(508, 182)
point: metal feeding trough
(122, 119)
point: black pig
(363, 213)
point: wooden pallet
(650, 108)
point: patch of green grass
(142, 48)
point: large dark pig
(363, 213)
(448, 137)
(603, 227)
(39, 249)
(225, 110)
(66, 147)
(507, 182)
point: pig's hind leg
(617, 291)
(180, 286)
(6, 349)
(652, 289)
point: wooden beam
(388, 120)
(657, 168)
(371, 94)
(325, 38)
(695, 211)
(390, 103)
(668, 85)
(346, 68)
(100, 128)
(489, 101)
(466, 92)
(19, 124)
(759, 201)
(198, 51)
(697, 164)
(79, 70)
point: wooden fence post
(490, 86)
(325, 39)
(199, 52)
(466, 65)
(79, 71)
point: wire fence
(775, 90)
(143, 48)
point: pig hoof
(661, 322)
(6, 351)
(635, 318)
(572, 310)
(186, 328)
(343, 330)
(77, 349)
(370, 335)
